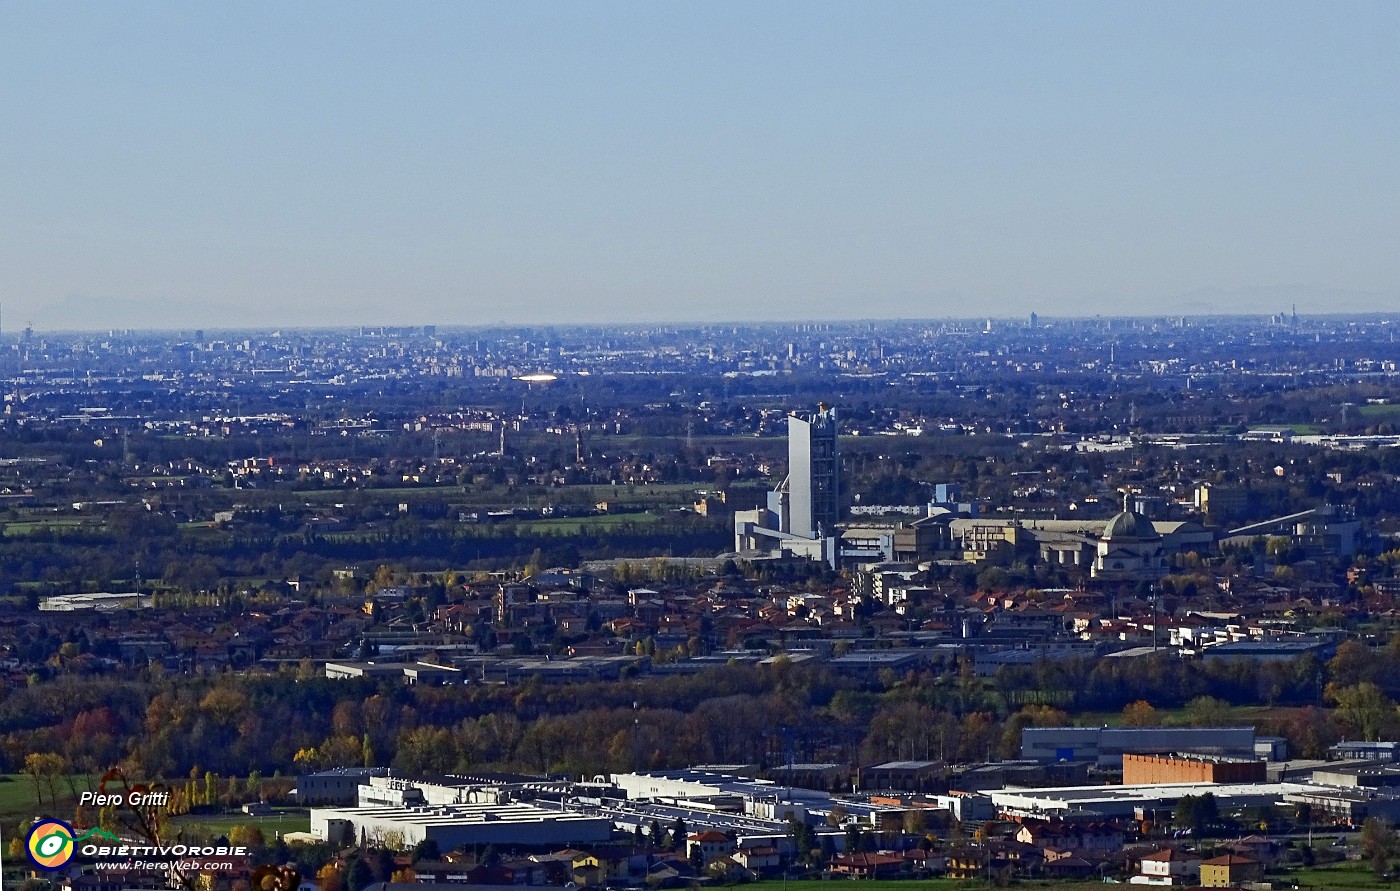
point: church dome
(1130, 524)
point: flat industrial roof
(1085, 798)
(458, 814)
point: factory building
(800, 516)
(1106, 746)
(339, 785)
(698, 783)
(1106, 802)
(1144, 770)
(454, 826)
(1356, 750)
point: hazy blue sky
(196, 163)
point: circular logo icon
(50, 844)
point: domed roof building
(1129, 547)
(1130, 525)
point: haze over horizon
(322, 164)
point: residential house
(606, 865)
(1230, 871)
(965, 862)
(926, 862)
(1255, 847)
(1070, 836)
(1010, 855)
(759, 859)
(869, 866)
(1168, 867)
(729, 870)
(712, 845)
(1068, 867)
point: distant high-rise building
(800, 516)
(814, 473)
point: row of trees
(235, 725)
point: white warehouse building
(1104, 802)
(698, 782)
(452, 827)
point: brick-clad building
(1139, 770)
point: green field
(16, 795)
(632, 492)
(18, 798)
(1302, 428)
(57, 524)
(571, 525)
(405, 492)
(18, 801)
(284, 821)
(1388, 410)
(1338, 875)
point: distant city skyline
(80, 314)
(175, 166)
(12, 327)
